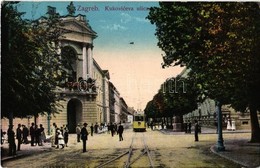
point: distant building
(124, 110)
(114, 103)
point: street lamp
(220, 144)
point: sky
(135, 69)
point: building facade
(86, 94)
(114, 104)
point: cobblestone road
(174, 150)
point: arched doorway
(74, 114)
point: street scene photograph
(95, 84)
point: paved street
(167, 149)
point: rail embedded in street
(130, 153)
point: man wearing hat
(78, 133)
(84, 136)
(11, 141)
(19, 137)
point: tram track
(133, 154)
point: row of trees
(219, 43)
(31, 64)
(176, 97)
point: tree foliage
(31, 66)
(176, 97)
(219, 42)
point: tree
(176, 97)
(150, 110)
(219, 42)
(31, 65)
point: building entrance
(74, 114)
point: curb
(8, 158)
(213, 150)
(20, 155)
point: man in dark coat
(91, 129)
(120, 132)
(25, 134)
(11, 141)
(32, 134)
(84, 136)
(96, 128)
(196, 130)
(19, 137)
(112, 129)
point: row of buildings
(88, 95)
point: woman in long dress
(229, 126)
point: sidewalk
(239, 151)
(26, 150)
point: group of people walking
(59, 136)
(37, 135)
(82, 133)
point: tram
(139, 123)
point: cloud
(125, 18)
(114, 27)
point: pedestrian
(55, 134)
(162, 125)
(37, 135)
(112, 129)
(108, 128)
(120, 132)
(60, 139)
(19, 137)
(78, 132)
(42, 134)
(32, 134)
(84, 136)
(189, 127)
(66, 136)
(185, 127)
(196, 130)
(151, 125)
(96, 128)
(62, 130)
(67, 128)
(229, 124)
(115, 128)
(91, 129)
(11, 141)
(2, 136)
(25, 134)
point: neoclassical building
(86, 94)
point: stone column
(90, 61)
(84, 58)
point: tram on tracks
(139, 123)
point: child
(60, 140)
